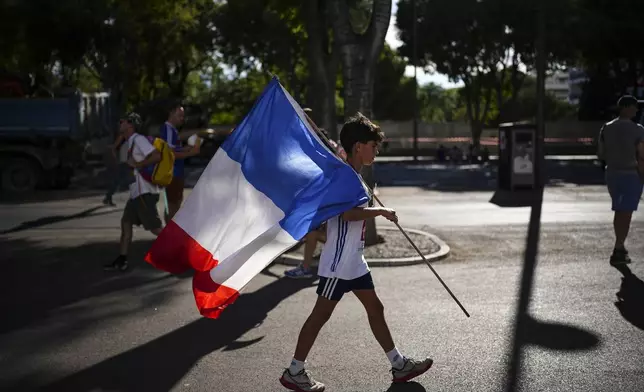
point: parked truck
(42, 140)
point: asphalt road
(68, 326)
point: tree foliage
(393, 91)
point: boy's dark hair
(627, 101)
(359, 129)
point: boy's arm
(359, 214)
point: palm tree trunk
(358, 56)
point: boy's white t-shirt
(140, 148)
(343, 253)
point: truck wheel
(20, 175)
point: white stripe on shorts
(329, 287)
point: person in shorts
(621, 148)
(343, 269)
(141, 207)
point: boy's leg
(295, 378)
(376, 315)
(403, 368)
(319, 316)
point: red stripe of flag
(212, 298)
(175, 252)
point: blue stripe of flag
(281, 158)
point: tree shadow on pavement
(58, 218)
(45, 195)
(161, 363)
(37, 279)
(527, 330)
(630, 297)
(410, 386)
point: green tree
(485, 44)
(607, 49)
(267, 35)
(440, 105)
(456, 38)
(393, 91)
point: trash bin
(517, 158)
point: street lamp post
(414, 61)
(541, 92)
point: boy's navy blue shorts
(625, 190)
(333, 288)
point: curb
(442, 252)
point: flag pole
(328, 143)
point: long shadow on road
(58, 218)
(161, 363)
(37, 279)
(630, 297)
(528, 330)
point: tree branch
(378, 27)
(341, 22)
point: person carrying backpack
(141, 208)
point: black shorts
(143, 211)
(333, 288)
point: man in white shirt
(141, 208)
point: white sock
(296, 366)
(396, 358)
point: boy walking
(141, 208)
(343, 269)
(621, 147)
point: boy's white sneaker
(301, 382)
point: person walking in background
(120, 169)
(170, 133)
(141, 208)
(621, 147)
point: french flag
(271, 182)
